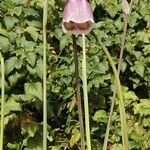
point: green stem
(2, 101)
(44, 77)
(120, 96)
(85, 93)
(119, 67)
(78, 95)
(115, 90)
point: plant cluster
(21, 45)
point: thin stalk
(119, 67)
(78, 95)
(120, 96)
(44, 77)
(85, 93)
(115, 90)
(2, 101)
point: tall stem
(78, 95)
(119, 67)
(115, 90)
(85, 93)
(44, 77)
(120, 96)
(2, 101)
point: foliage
(21, 45)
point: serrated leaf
(29, 128)
(74, 138)
(4, 32)
(100, 116)
(71, 104)
(64, 41)
(143, 108)
(18, 2)
(14, 78)
(34, 143)
(39, 68)
(31, 58)
(12, 105)
(34, 89)
(33, 32)
(23, 98)
(30, 12)
(10, 21)
(18, 10)
(4, 44)
(10, 64)
(18, 63)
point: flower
(77, 17)
(125, 7)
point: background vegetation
(21, 46)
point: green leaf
(15, 146)
(12, 105)
(74, 138)
(18, 10)
(31, 58)
(30, 128)
(56, 147)
(19, 2)
(10, 22)
(34, 143)
(3, 32)
(100, 116)
(33, 32)
(138, 68)
(4, 44)
(14, 78)
(64, 41)
(39, 68)
(96, 145)
(143, 108)
(34, 89)
(71, 105)
(31, 12)
(117, 147)
(23, 98)
(10, 64)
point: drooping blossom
(125, 7)
(77, 17)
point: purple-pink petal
(78, 12)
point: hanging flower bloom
(77, 17)
(125, 7)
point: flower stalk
(2, 101)
(78, 95)
(85, 93)
(44, 77)
(120, 95)
(118, 69)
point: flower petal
(77, 17)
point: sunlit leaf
(34, 89)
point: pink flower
(77, 17)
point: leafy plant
(21, 45)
